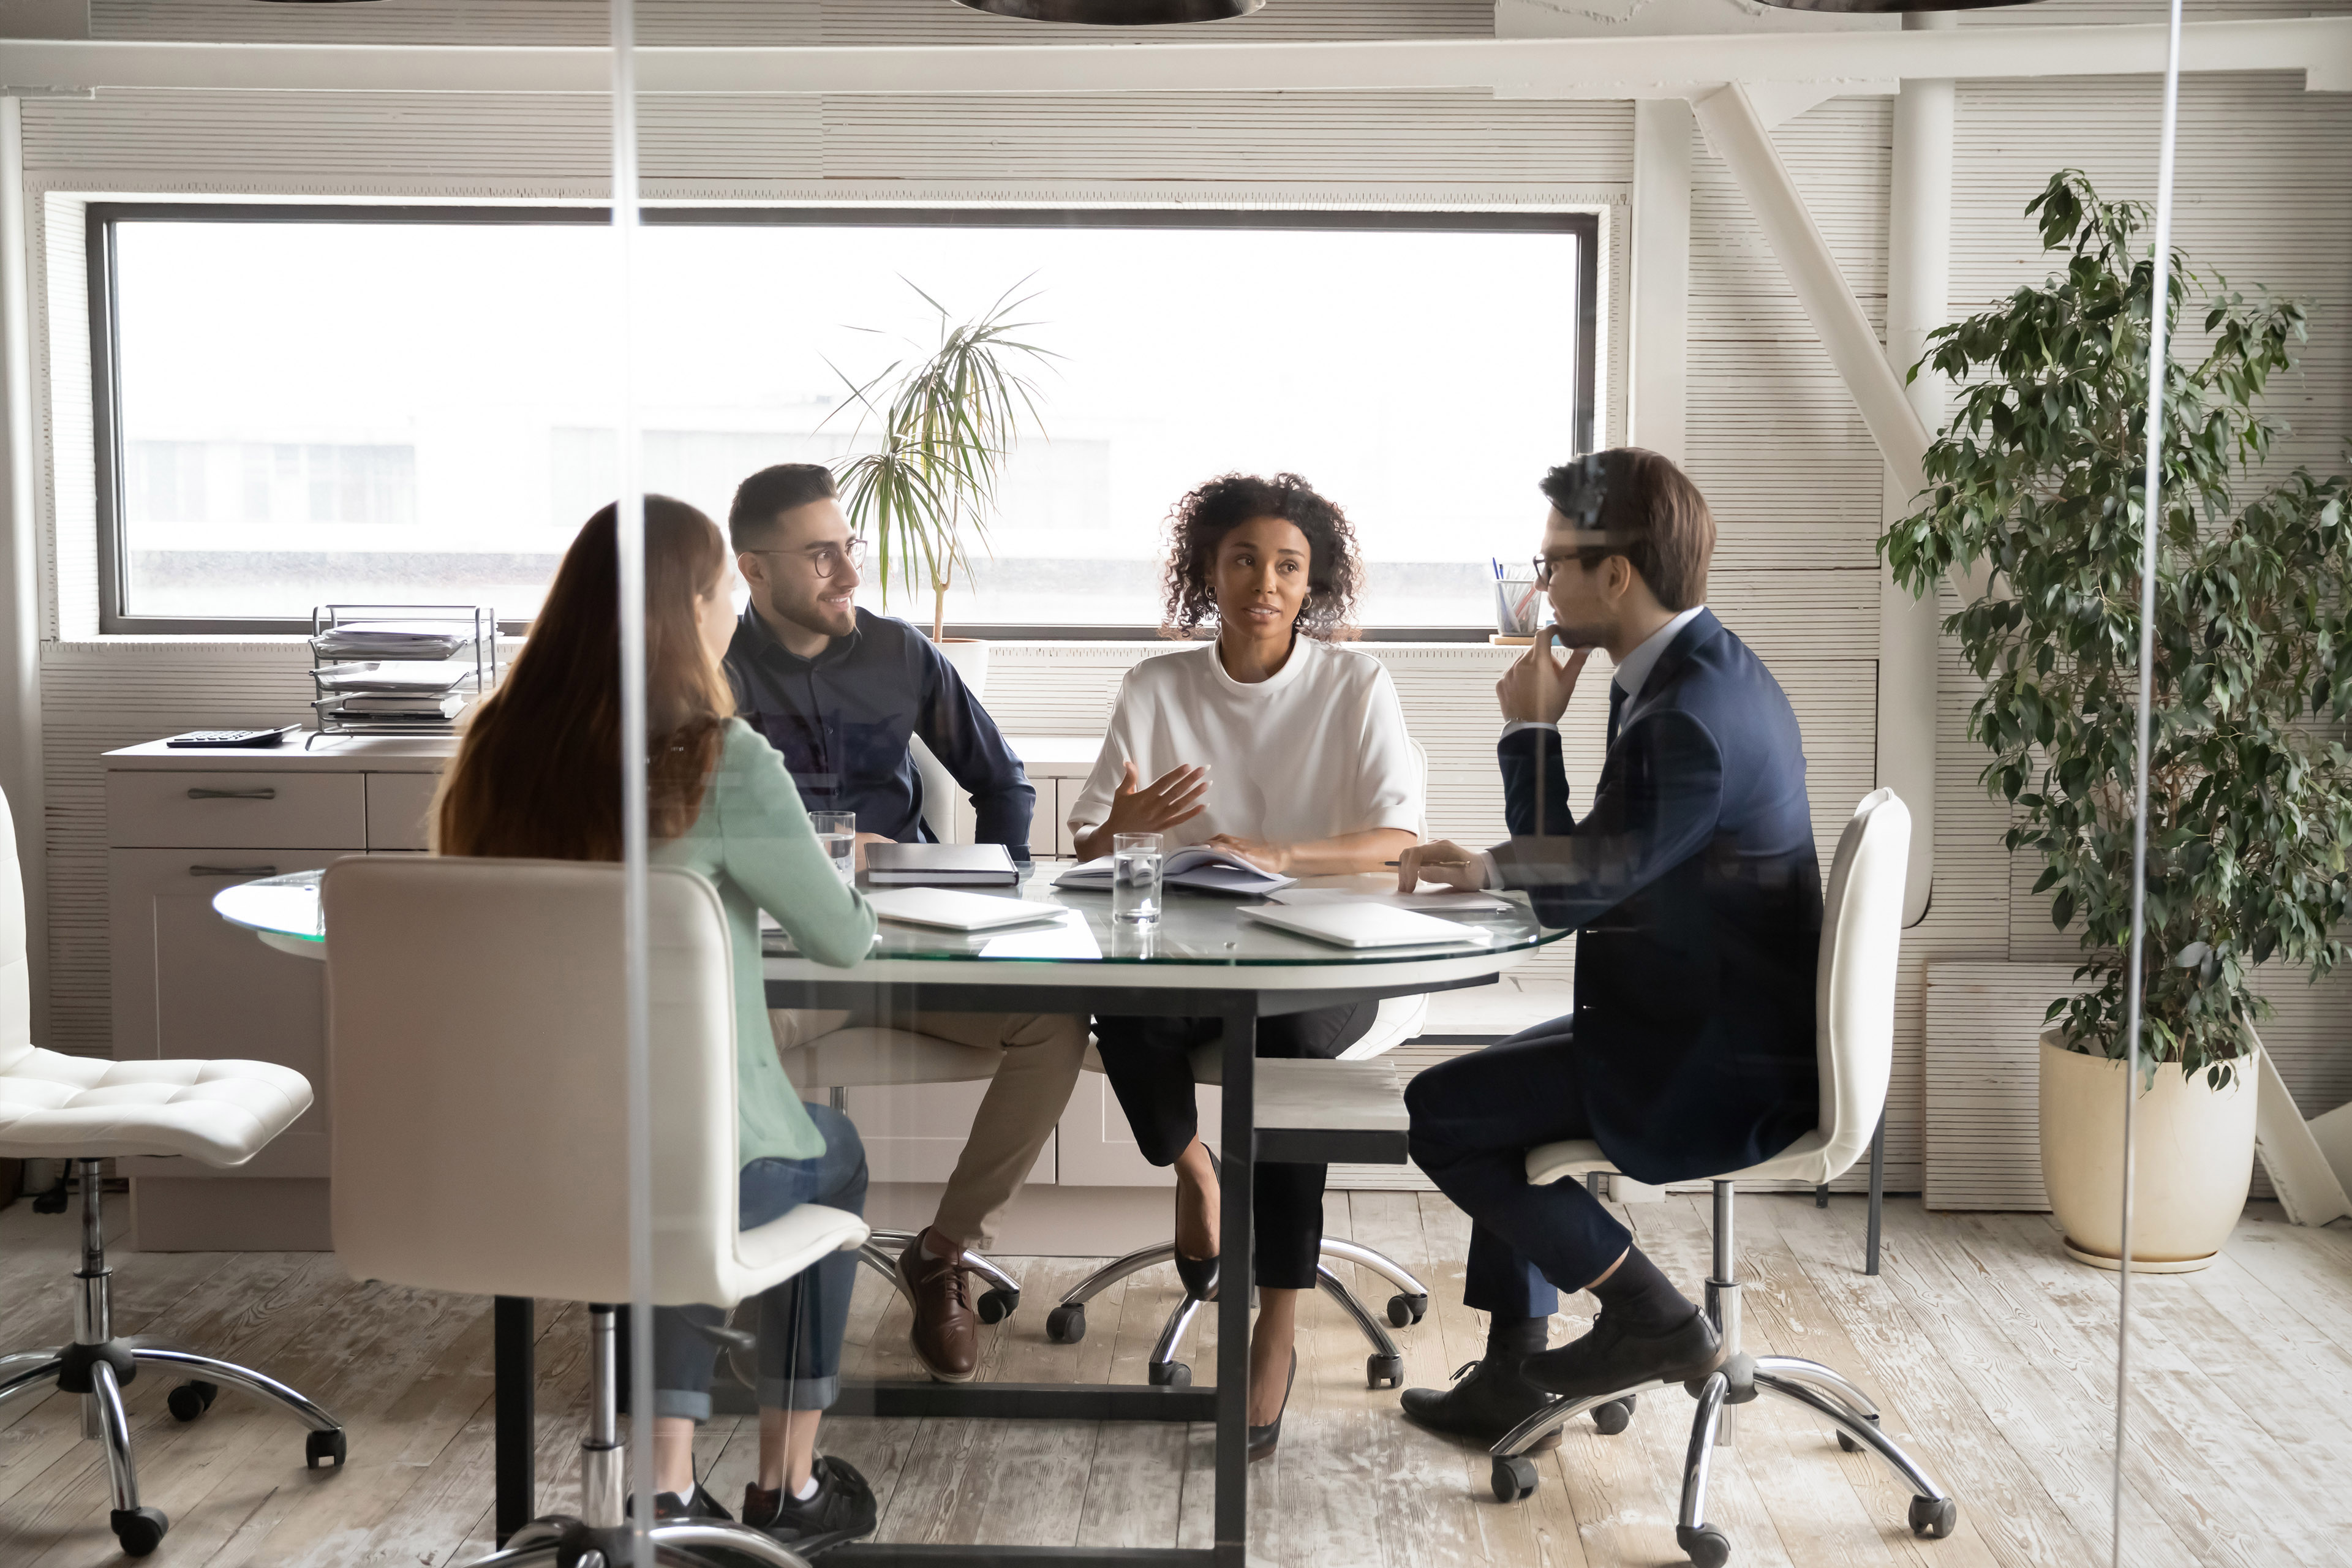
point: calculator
(227, 738)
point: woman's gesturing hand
(1177, 795)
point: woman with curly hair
(1277, 745)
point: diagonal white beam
(1670, 67)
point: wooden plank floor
(1992, 1353)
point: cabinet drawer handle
(232, 870)
(263, 794)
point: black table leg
(513, 1334)
(1878, 1191)
(1234, 1282)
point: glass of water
(1135, 878)
(837, 831)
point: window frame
(103, 219)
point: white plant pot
(2195, 1159)
(970, 657)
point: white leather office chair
(56, 1106)
(477, 1044)
(1400, 1019)
(1862, 933)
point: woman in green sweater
(537, 775)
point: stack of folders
(940, 864)
(390, 639)
(430, 692)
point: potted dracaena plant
(2041, 477)
(946, 419)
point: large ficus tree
(2041, 475)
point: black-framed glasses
(1543, 564)
(825, 559)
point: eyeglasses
(1544, 564)
(825, 559)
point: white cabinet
(1097, 1148)
(188, 983)
(181, 826)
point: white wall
(1772, 438)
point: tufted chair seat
(54, 1106)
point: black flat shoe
(1198, 1275)
(1488, 1400)
(1609, 1358)
(1262, 1439)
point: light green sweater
(752, 839)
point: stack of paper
(392, 639)
(433, 677)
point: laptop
(1366, 925)
(950, 910)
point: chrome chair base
(1934, 1513)
(1385, 1368)
(96, 1365)
(996, 1303)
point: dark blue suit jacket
(841, 720)
(1694, 887)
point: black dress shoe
(1262, 1439)
(1610, 1360)
(1488, 1398)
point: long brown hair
(539, 771)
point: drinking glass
(837, 831)
(1135, 878)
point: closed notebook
(952, 911)
(959, 864)
(1367, 925)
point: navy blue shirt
(841, 720)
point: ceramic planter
(970, 657)
(2195, 1160)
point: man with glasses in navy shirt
(839, 691)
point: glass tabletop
(1074, 926)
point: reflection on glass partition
(279, 448)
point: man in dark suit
(1696, 893)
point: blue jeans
(803, 1319)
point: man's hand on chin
(1537, 685)
(1442, 861)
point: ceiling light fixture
(1116, 13)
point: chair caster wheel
(1406, 1310)
(1934, 1517)
(1384, 1371)
(140, 1530)
(1614, 1416)
(1848, 1443)
(1168, 1374)
(1514, 1478)
(1707, 1546)
(1067, 1325)
(997, 1305)
(191, 1400)
(318, 1446)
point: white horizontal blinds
(750, 22)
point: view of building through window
(375, 410)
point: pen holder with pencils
(1521, 608)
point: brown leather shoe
(946, 1335)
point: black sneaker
(842, 1509)
(1609, 1359)
(698, 1504)
(1488, 1398)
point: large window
(300, 405)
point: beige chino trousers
(1043, 1054)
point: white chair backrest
(940, 793)
(476, 1050)
(1862, 933)
(1421, 772)
(16, 968)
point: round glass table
(1205, 957)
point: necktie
(1616, 707)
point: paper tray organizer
(475, 630)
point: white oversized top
(1317, 750)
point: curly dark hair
(1202, 519)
